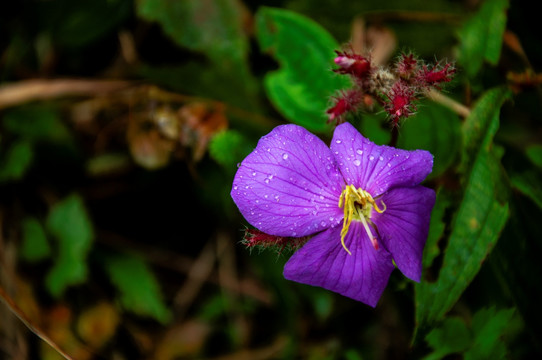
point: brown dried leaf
(98, 324)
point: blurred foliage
(121, 126)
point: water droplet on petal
(371, 157)
(357, 162)
(285, 156)
(254, 173)
(359, 151)
(380, 158)
(338, 141)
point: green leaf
(528, 183)
(36, 123)
(481, 124)
(17, 161)
(483, 340)
(212, 27)
(71, 227)
(436, 228)
(372, 127)
(450, 338)
(477, 225)
(35, 246)
(436, 129)
(302, 87)
(488, 326)
(481, 36)
(534, 153)
(79, 23)
(229, 148)
(139, 289)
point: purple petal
(324, 262)
(376, 168)
(290, 184)
(403, 227)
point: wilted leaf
(35, 246)
(302, 87)
(71, 227)
(481, 36)
(139, 289)
(98, 324)
(477, 224)
(183, 341)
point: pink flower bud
(352, 64)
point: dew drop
(357, 162)
(371, 157)
(254, 173)
(359, 151)
(285, 156)
(380, 158)
(235, 187)
(338, 141)
(323, 223)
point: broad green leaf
(481, 36)
(35, 246)
(450, 338)
(212, 27)
(139, 289)
(72, 229)
(302, 87)
(16, 161)
(36, 123)
(534, 153)
(477, 225)
(436, 129)
(229, 148)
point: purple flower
(362, 202)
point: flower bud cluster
(395, 88)
(254, 238)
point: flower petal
(403, 227)
(323, 262)
(376, 168)
(290, 184)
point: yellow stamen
(358, 204)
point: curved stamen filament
(358, 204)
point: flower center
(358, 204)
